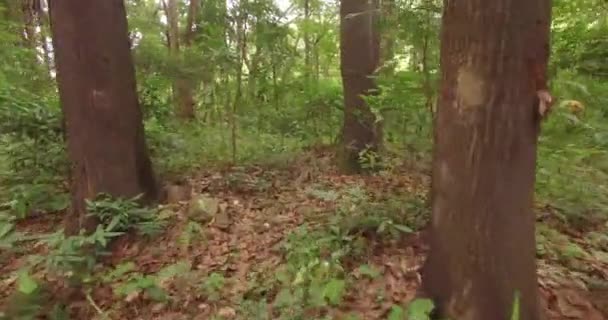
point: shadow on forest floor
(298, 241)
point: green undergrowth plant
(313, 276)
(9, 237)
(76, 258)
(127, 282)
(180, 148)
(32, 153)
(321, 256)
(357, 213)
(122, 215)
(573, 159)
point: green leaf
(26, 284)
(316, 294)
(156, 293)
(112, 225)
(402, 228)
(369, 271)
(420, 309)
(284, 298)
(334, 290)
(397, 313)
(5, 229)
(515, 313)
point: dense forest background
(264, 214)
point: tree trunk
(183, 89)
(307, 45)
(29, 12)
(493, 60)
(359, 57)
(388, 39)
(96, 80)
(427, 86)
(241, 43)
(44, 25)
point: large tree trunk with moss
(96, 80)
(493, 59)
(359, 58)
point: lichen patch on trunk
(469, 89)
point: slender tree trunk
(241, 43)
(427, 86)
(317, 59)
(275, 87)
(29, 22)
(307, 44)
(44, 25)
(188, 85)
(493, 60)
(388, 39)
(360, 56)
(96, 80)
(183, 89)
(254, 70)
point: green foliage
(8, 235)
(32, 153)
(212, 286)
(397, 313)
(122, 215)
(515, 310)
(128, 283)
(579, 37)
(312, 275)
(420, 309)
(392, 217)
(572, 157)
(368, 271)
(180, 148)
(75, 257)
(406, 122)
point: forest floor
(297, 240)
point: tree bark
(427, 86)
(493, 59)
(388, 39)
(241, 44)
(29, 12)
(359, 57)
(44, 25)
(183, 88)
(307, 44)
(97, 89)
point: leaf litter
(234, 250)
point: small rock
(226, 313)
(178, 193)
(203, 208)
(222, 221)
(157, 308)
(132, 296)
